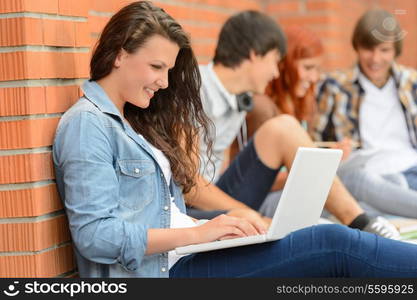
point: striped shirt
(340, 95)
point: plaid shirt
(340, 96)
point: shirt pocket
(137, 183)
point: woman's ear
(252, 56)
(121, 56)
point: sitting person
(125, 152)
(239, 67)
(376, 105)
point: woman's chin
(141, 103)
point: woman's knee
(328, 236)
(332, 231)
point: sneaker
(382, 227)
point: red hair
(302, 43)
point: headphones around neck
(244, 102)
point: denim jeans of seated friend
(318, 251)
(411, 177)
(394, 194)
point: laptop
(301, 202)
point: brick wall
(44, 54)
(334, 20)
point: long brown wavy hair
(175, 119)
(301, 43)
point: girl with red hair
(293, 90)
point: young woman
(124, 155)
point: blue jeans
(394, 194)
(318, 251)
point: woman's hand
(224, 227)
(256, 219)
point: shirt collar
(96, 94)
(228, 97)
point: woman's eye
(157, 67)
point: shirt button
(165, 207)
(163, 269)
(136, 170)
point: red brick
(283, 7)
(27, 133)
(82, 34)
(205, 31)
(96, 23)
(26, 168)
(69, 8)
(194, 13)
(22, 101)
(41, 6)
(37, 100)
(108, 6)
(311, 20)
(234, 5)
(29, 202)
(59, 33)
(38, 65)
(35, 31)
(203, 49)
(20, 31)
(45, 264)
(33, 236)
(60, 98)
(325, 5)
(44, 6)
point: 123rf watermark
(65, 288)
(365, 289)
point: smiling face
(142, 73)
(376, 62)
(308, 70)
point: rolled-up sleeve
(88, 184)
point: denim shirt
(113, 190)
